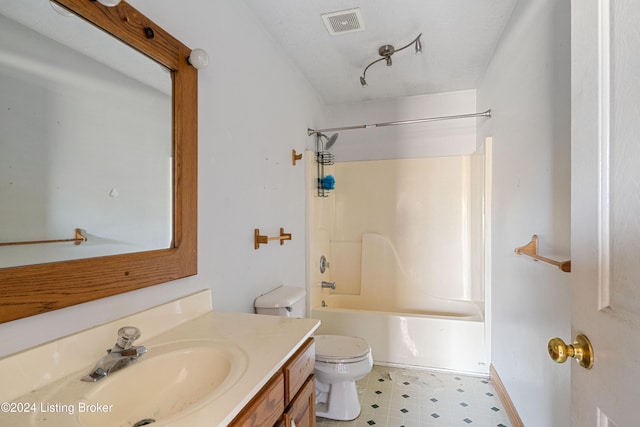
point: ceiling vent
(344, 21)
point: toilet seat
(341, 349)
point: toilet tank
(286, 301)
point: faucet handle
(330, 285)
(126, 336)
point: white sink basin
(166, 381)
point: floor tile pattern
(394, 397)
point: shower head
(330, 140)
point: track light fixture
(385, 51)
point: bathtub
(447, 335)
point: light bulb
(109, 3)
(198, 58)
(61, 10)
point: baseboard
(509, 407)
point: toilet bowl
(340, 362)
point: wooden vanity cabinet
(266, 408)
(289, 398)
(301, 412)
(300, 387)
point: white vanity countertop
(267, 342)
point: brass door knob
(580, 350)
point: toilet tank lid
(284, 296)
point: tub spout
(331, 285)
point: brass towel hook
(295, 157)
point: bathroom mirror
(63, 163)
(171, 170)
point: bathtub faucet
(331, 285)
(121, 355)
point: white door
(605, 231)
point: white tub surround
(430, 306)
(385, 285)
(267, 342)
(401, 321)
(423, 224)
(453, 343)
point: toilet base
(342, 402)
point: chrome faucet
(331, 285)
(121, 355)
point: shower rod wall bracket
(486, 114)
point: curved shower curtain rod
(403, 122)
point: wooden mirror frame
(34, 289)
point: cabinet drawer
(298, 369)
(302, 410)
(266, 408)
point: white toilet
(340, 360)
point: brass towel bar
(258, 239)
(80, 236)
(531, 249)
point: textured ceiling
(459, 37)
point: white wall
(441, 138)
(527, 86)
(254, 108)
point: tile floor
(394, 397)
